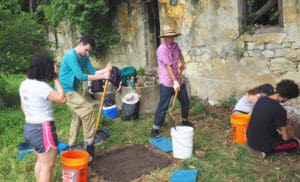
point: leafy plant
(3, 83)
(250, 2)
(274, 14)
(20, 36)
(9, 90)
(140, 71)
(196, 1)
(90, 17)
(198, 108)
(212, 114)
(228, 102)
(251, 29)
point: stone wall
(63, 40)
(131, 50)
(218, 64)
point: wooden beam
(258, 14)
(263, 10)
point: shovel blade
(102, 134)
(172, 120)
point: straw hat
(169, 32)
(131, 98)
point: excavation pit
(130, 162)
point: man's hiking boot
(97, 141)
(154, 133)
(91, 150)
(187, 123)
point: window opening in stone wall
(261, 15)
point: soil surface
(130, 162)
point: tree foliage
(23, 27)
(91, 17)
(3, 84)
(20, 37)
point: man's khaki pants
(83, 113)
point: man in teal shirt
(74, 68)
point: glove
(176, 85)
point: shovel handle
(101, 104)
(174, 98)
(181, 68)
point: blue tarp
(162, 143)
(184, 175)
(25, 148)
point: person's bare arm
(171, 73)
(59, 95)
(284, 133)
(252, 98)
(176, 84)
(103, 74)
(291, 131)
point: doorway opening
(152, 30)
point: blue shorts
(41, 136)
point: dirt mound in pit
(130, 162)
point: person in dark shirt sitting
(267, 131)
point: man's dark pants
(166, 94)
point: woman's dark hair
(41, 67)
(87, 39)
(287, 89)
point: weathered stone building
(222, 59)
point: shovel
(174, 99)
(91, 148)
(172, 108)
(101, 107)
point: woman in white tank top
(36, 102)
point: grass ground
(215, 155)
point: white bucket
(182, 141)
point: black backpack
(97, 86)
(115, 79)
(115, 76)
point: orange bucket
(239, 124)
(75, 166)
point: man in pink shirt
(168, 57)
